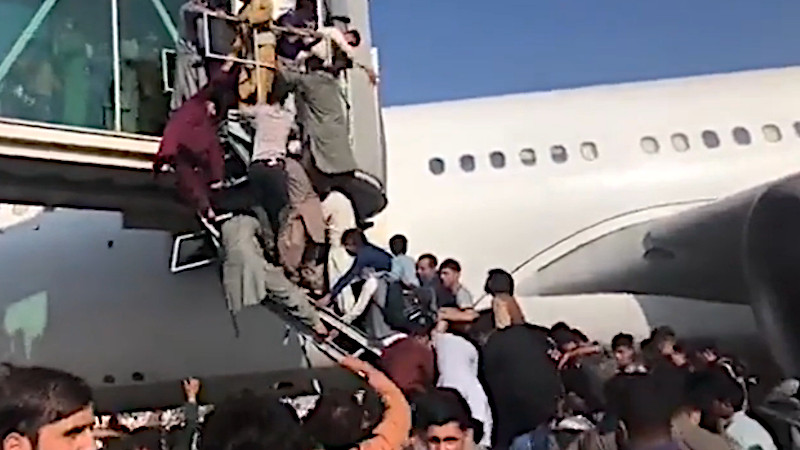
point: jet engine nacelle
(741, 249)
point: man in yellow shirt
(257, 17)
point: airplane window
(497, 159)
(742, 136)
(797, 128)
(558, 153)
(680, 142)
(467, 163)
(436, 166)
(710, 139)
(650, 145)
(772, 133)
(527, 156)
(589, 151)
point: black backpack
(407, 310)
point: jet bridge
(98, 153)
(84, 96)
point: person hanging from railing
(190, 70)
(320, 102)
(251, 273)
(190, 145)
(256, 16)
(283, 188)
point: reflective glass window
(527, 157)
(680, 142)
(467, 163)
(772, 133)
(497, 159)
(650, 145)
(741, 136)
(436, 166)
(710, 139)
(558, 153)
(56, 61)
(148, 31)
(589, 151)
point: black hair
(422, 327)
(440, 407)
(253, 422)
(451, 264)
(499, 282)
(143, 438)
(429, 257)
(662, 334)
(560, 326)
(579, 335)
(341, 419)
(651, 355)
(398, 244)
(645, 402)
(563, 336)
(356, 37)
(622, 340)
(32, 397)
(355, 236)
(714, 384)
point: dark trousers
(269, 187)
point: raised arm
(338, 38)
(392, 432)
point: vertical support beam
(116, 62)
(25, 37)
(321, 13)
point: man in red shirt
(410, 361)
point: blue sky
(433, 50)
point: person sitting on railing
(371, 265)
(191, 147)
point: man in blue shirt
(370, 265)
(403, 267)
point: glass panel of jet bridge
(89, 82)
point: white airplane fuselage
(502, 217)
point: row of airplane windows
(588, 150)
(741, 136)
(527, 156)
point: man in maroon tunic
(191, 146)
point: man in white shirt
(748, 433)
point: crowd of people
(464, 380)
(271, 71)
(449, 376)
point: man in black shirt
(521, 379)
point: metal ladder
(349, 340)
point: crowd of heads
(460, 380)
